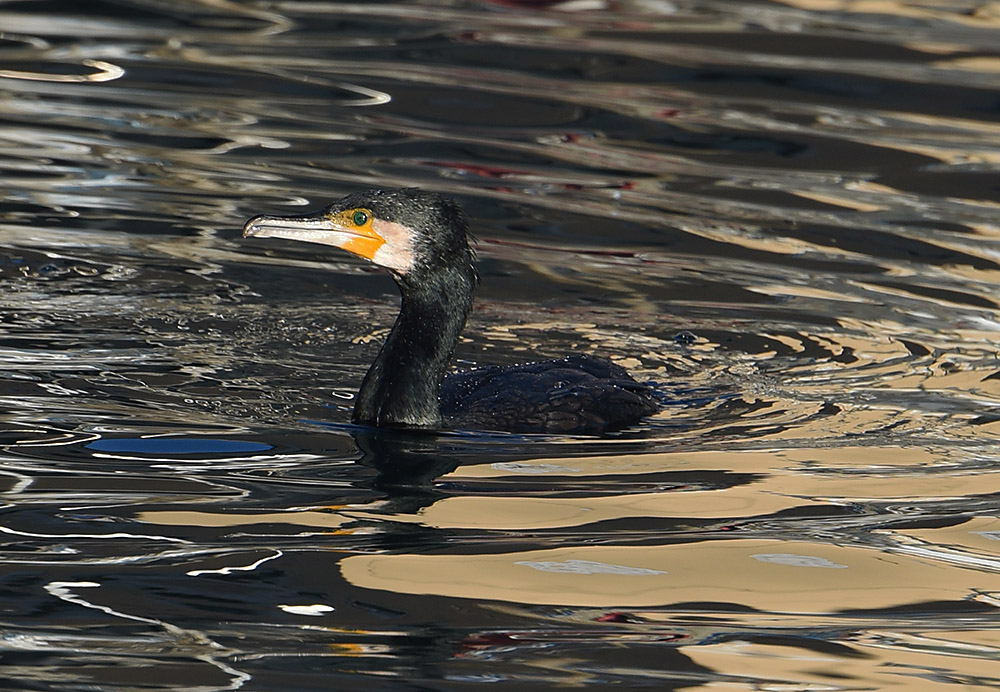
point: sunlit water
(785, 214)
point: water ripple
(781, 214)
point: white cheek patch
(397, 252)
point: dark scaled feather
(576, 394)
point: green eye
(360, 218)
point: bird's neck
(402, 386)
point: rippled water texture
(784, 213)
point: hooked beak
(315, 228)
(320, 228)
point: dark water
(805, 191)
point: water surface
(783, 213)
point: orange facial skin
(363, 240)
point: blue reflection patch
(177, 445)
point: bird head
(409, 232)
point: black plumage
(576, 394)
(423, 239)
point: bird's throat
(403, 385)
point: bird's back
(575, 394)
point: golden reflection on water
(783, 479)
(781, 576)
(105, 72)
(839, 201)
(884, 661)
(519, 514)
(324, 520)
(985, 15)
(829, 441)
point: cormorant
(423, 240)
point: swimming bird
(422, 238)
